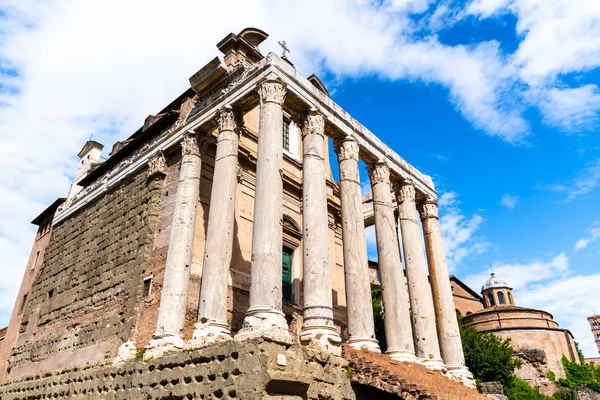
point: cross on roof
(284, 48)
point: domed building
(536, 338)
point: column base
(461, 374)
(207, 333)
(127, 352)
(402, 355)
(434, 364)
(364, 343)
(322, 336)
(265, 322)
(162, 343)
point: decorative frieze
(271, 90)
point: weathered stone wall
(82, 305)
(245, 370)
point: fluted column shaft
(443, 301)
(318, 327)
(398, 332)
(361, 329)
(212, 308)
(421, 301)
(264, 317)
(173, 300)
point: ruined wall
(246, 370)
(36, 259)
(82, 305)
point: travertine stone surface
(318, 327)
(212, 312)
(421, 301)
(171, 314)
(361, 329)
(264, 317)
(398, 331)
(445, 314)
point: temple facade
(219, 221)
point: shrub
(518, 389)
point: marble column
(173, 299)
(361, 328)
(318, 327)
(398, 331)
(447, 325)
(264, 318)
(421, 301)
(212, 308)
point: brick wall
(82, 304)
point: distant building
(594, 321)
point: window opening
(491, 300)
(147, 286)
(23, 303)
(501, 298)
(286, 135)
(510, 299)
(286, 267)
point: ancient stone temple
(213, 255)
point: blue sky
(497, 100)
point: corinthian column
(447, 325)
(398, 332)
(173, 299)
(264, 317)
(318, 325)
(421, 302)
(361, 329)
(212, 309)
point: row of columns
(420, 322)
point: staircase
(406, 380)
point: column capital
(271, 90)
(405, 191)
(227, 119)
(347, 148)
(314, 123)
(428, 209)
(157, 165)
(193, 144)
(379, 172)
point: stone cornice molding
(379, 172)
(157, 165)
(428, 209)
(347, 149)
(405, 191)
(313, 124)
(227, 119)
(271, 90)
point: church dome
(494, 282)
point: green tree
(378, 315)
(488, 357)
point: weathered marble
(421, 301)
(445, 314)
(212, 308)
(171, 314)
(398, 332)
(361, 328)
(264, 317)
(318, 327)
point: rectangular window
(22, 306)
(37, 258)
(285, 131)
(147, 286)
(286, 276)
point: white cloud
(571, 109)
(550, 285)
(509, 201)
(459, 231)
(593, 234)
